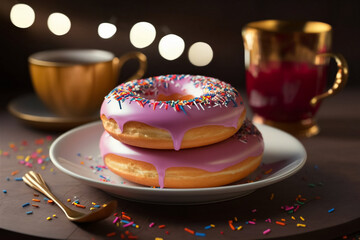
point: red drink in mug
(281, 91)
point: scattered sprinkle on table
(272, 196)
(116, 220)
(331, 210)
(280, 223)
(231, 225)
(111, 234)
(25, 204)
(200, 234)
(209, 226)
(128, 224)
(189, 231)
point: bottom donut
(210, 166)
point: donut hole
(182, 90)
(161, 94)
(173, 97)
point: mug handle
(140, 57)
(340, 78)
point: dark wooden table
(329, 185)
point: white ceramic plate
(77, 154)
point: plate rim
(237, 187)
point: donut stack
(178, 131)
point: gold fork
(35, 181)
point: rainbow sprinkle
(26, 204)
(331, 210)
(144, 92)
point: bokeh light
(171, 47)
(22, 15)
(142, 34)
(59, 24)
(106, 30)
(200, 54)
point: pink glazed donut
(173, 112)
(209, 166)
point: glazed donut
(209, 166)
(172, 112)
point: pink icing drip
(176, 122)
(212, 158)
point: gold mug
(73, 82)
(286, 66)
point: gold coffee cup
(73, 82)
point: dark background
(217, 23)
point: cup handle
(132, 55)
(340, 78)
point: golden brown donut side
(179, 177)
(142, 135)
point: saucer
(31, 111)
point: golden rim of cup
(70, 57)
(285, 26)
